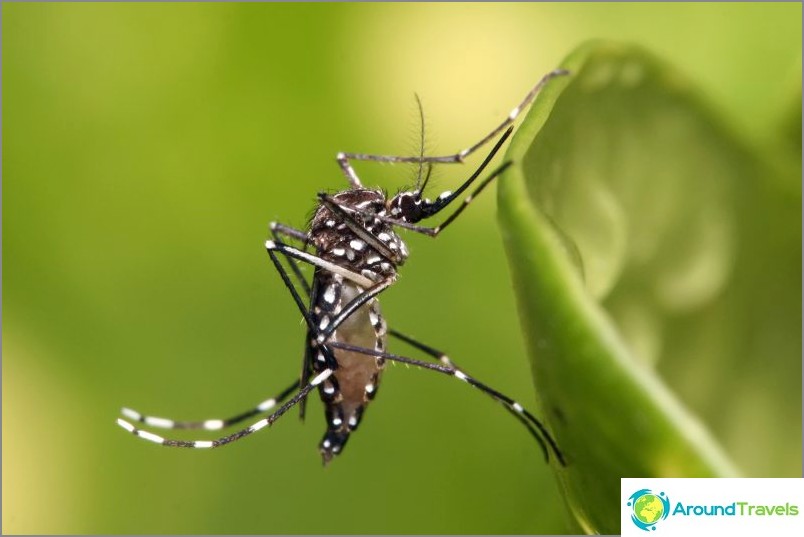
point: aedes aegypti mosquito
(357, 254)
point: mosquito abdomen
(357, 376)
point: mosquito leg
(295, 253)
(434, 231)
(327, 328)
(326, 325)
(344, 158)
(447, 197)
(293, 292)
(431, 208)
(280, 230)
(445, 360)
(265, 422)
(428, 350)
(210, 424)
(457, 373)
(329, 358)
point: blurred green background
(145, 150)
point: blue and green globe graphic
(648, 508)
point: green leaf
(628, 218)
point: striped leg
(307, 365)
(265, 422)
(544, 435)
(278, 230)
(351, 176)
(295, 253)
(445, 360)
(324, 331)
(210, 424)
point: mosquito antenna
(419, 185)
(426, 178)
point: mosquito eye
(407, 205)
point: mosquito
(357, 253)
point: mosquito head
(406, 206)
(409, 206)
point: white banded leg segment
(206, 444)
(125, 425)
(318, 262)
(145, 435)
(324, 375)
(151, 437)
(348, 171)
(210, 424)
(214, 425)
(161, 423)
(268, 404)
(131, 414)
(259, 425)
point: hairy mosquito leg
(279, 230)
(433, 208)
(307, 364)
(457, 373)
(445, 360)
(427, 208)
(286, 280)
(265, 422)
(344, 158)
(289, 251)
(430, 351)
(210, 424)
(329, 357)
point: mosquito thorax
(374, 250)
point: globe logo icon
(648, 508)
